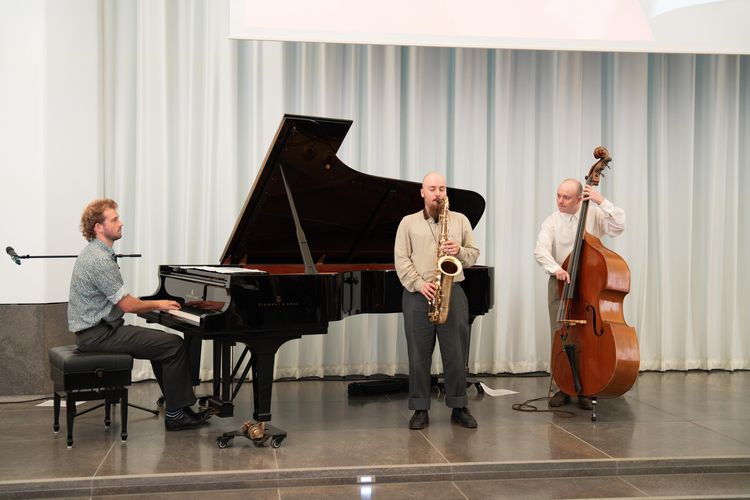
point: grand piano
(313, 244)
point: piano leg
(221, 401)
(226, 372)
(263, 361)
(259, 432)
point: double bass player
(555, 242)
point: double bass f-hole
(591, 308)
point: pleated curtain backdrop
(189, 116)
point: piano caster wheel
(223, 442)
(276, 442)
(160, 402)
(107, 423)
(56, 428)
(124, 436)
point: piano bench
(89, 376)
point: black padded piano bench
(89, 376)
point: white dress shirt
(558, 232)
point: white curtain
(189, 115)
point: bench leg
(107, 413)
(70, 412)
(56, 425)
(124, 414)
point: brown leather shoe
(584, 403)
(419, 420)
(559, 399)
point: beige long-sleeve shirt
(558, 232)
(415, 248)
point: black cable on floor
(527, 406)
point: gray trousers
(420, 342)
(165, 351)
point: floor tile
(437, 490)
(655, 439)
(697, 485)
(584, 487)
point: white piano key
(186, 316)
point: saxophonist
(421, 239)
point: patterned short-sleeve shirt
(95, 287)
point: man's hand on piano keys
(167, 305)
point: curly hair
(93, 214)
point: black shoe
(559, 399)
(462, 417)
(584, 403)
(419, 420)
(203, 414)
(186, 421)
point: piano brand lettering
(279, 302)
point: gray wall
(27, 331)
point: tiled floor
(673, 435)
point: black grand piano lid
(346, 216)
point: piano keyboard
(186, 316)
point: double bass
(594, 352)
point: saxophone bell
(449, 265)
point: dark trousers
(453, 337)
(553, 303)
(165, 351)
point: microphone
(13, 255)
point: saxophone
(447, 267)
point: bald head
(569, 195)
(433, 188)
(433, 178)
(573, 184)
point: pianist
(98, 300)
(415, 250)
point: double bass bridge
(573, 321)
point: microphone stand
(17, 258)
(119, 255)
